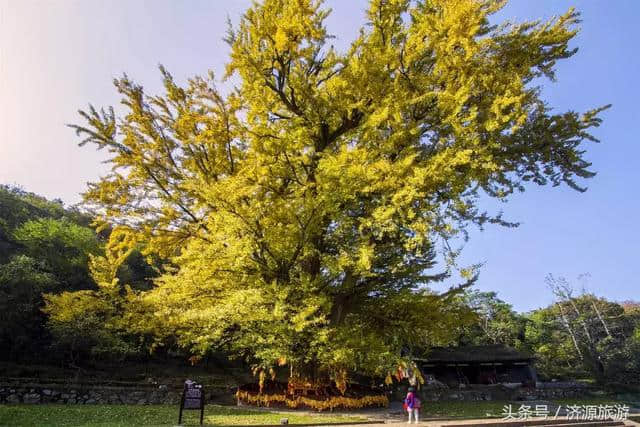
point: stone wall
(16, 392)
(557, 390)
(94, 394)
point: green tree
(555, 352)
(23, 280)
(44, 249)
(63, 246)
(584, 336)
(496, 321)
(17, 207)
(302, 211)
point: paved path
(439, 423)
(394, 418)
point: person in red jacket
(413, 405)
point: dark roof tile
(484, 353)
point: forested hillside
(45, 249)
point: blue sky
(56, 56)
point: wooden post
(181, 407)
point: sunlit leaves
(302, 211)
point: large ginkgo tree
(302, 211)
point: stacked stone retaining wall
(152, 394)
(12, 393)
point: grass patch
(494, 408)
(152, 415)
(462, 409)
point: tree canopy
(302, 210)
(585, 336)
(496, 322)
(45, 249)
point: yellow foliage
(300, 215)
